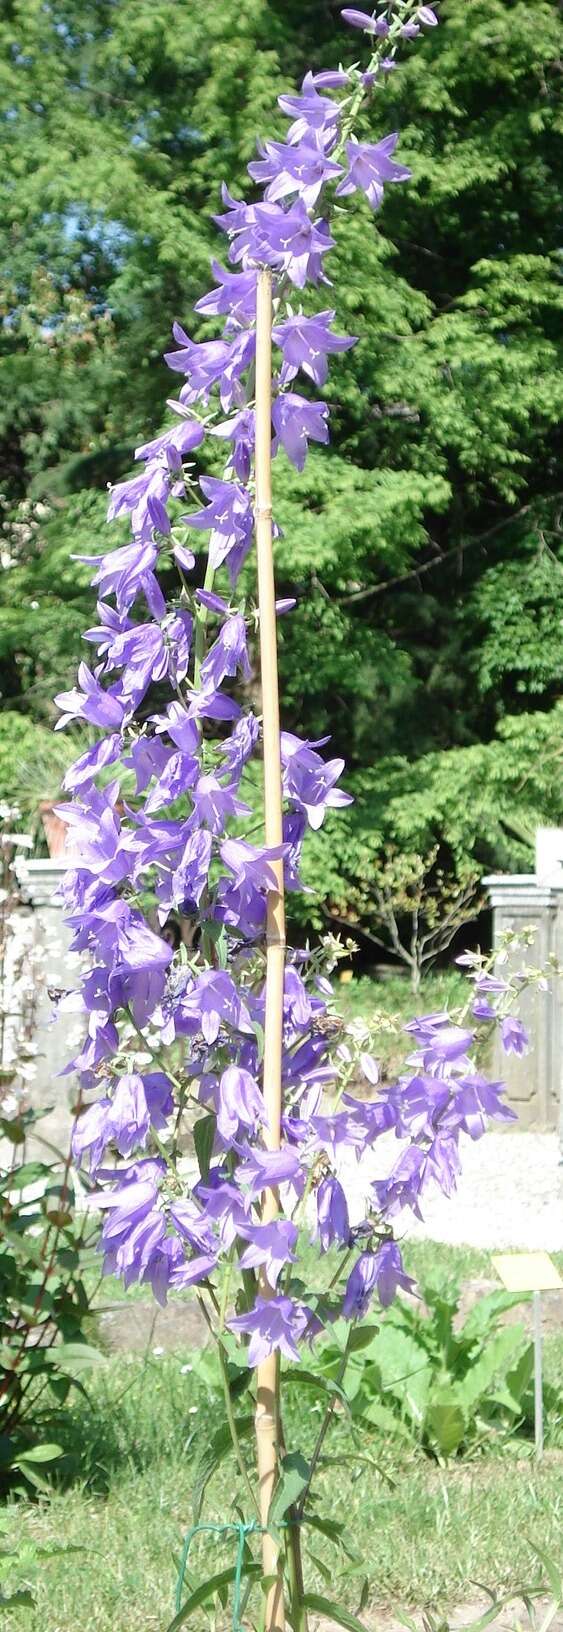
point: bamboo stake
(267, 1421)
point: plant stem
(201, 625)
(325, 1424)
(217, 1338)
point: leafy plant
(44, 1304)
(425, 1376)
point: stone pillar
(519, 901)
(57, 1037)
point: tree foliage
(424, 547)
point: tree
(425, 559)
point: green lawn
(423, 1534)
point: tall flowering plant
(233, 1035)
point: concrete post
(57, 1038)
(533, 1082)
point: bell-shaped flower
(306, 343)
(370, 166)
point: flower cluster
(177, 1029)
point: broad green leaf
(294, 1476)
(446, 1424)
(484, 1316)
(493, 1358)
(382, 1417)
(39, 1453)
(219, 1447)
(404, 1367)
(336, 1612)
(204, 1135)
(518, 1379)
(76, 1357)
(361, 1337)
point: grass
(422, 1534)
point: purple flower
(483, 1010)
(369, 166)
(390, 1273)
(272, 1245)
(330, 79)
(239, 747)
(314, 114)
(306, 343)
(361, 19)
(427, 15)
(295, 419)
(181, 438)
(126, 573)
(286, 239)
(360, 1287)
(266, 1169)
(240, 1104)
(514, 1037)
(476, 1101)
(190, 877)
(228, 653)
(91, 703)
(214, 1001)
(241, 432)
(135, 495)
(243, 903)
(235, 298)
(82, 773)
(303, 169)
(333, 1223)
(213, 803)
(308, 780)
(229, 517)
(273, 1324)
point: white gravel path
(510, 1194)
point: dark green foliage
(424, 545)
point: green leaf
(207, 1590)
(29, 1173)
(446, 1424)
(404, 1367)
(294, 1477)
(24, 1246)
(17, 1600)
(204, 1135)
(382, 1417)
(485, 1314)
(361, 1337)
(333, 1531)
(324, 1606)
(492, 1359)
(319, 1384)
(76, 1357)
(38, 1453)
(219, 1447)
(554, 1575)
